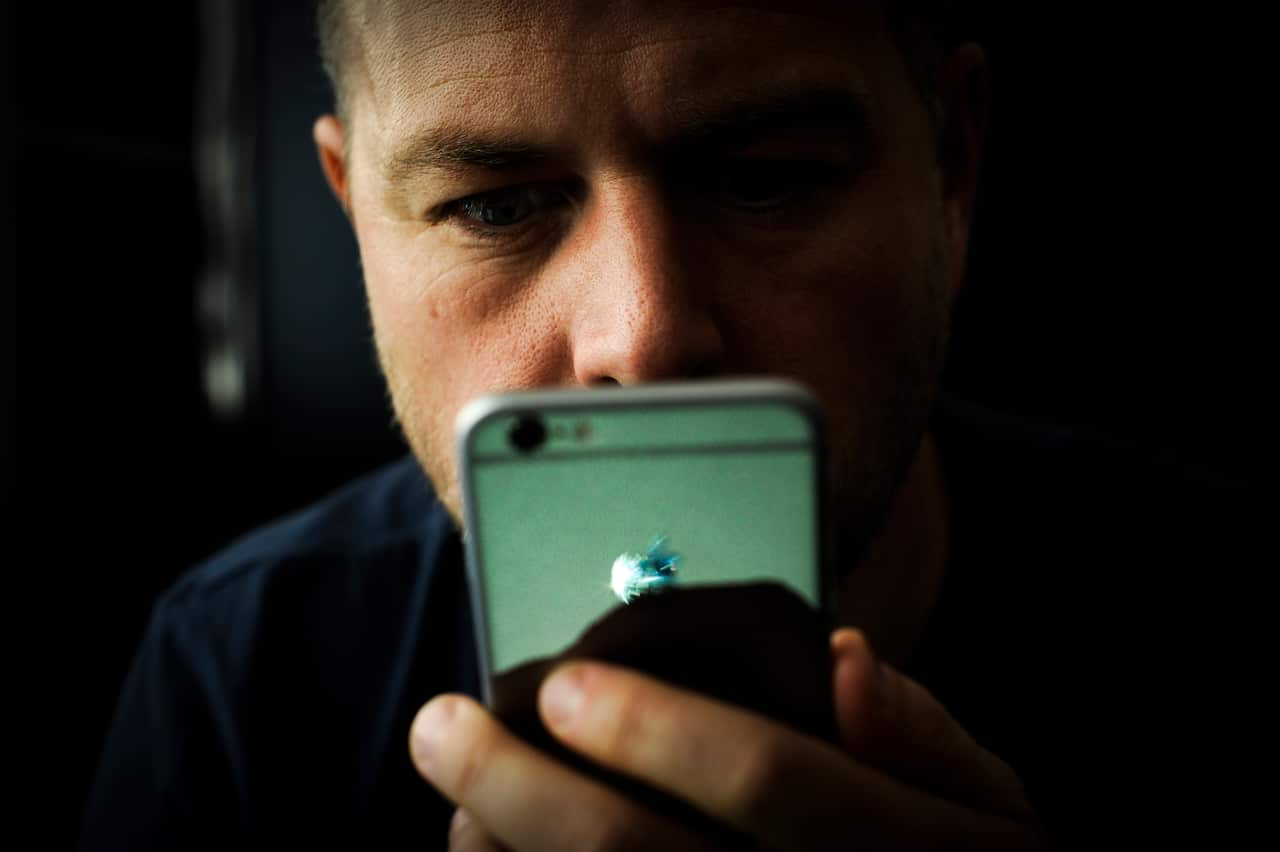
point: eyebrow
(455, 150)
(697, 125)
(751, 118)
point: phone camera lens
(527, 433)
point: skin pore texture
(682, 190)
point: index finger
(891, 722)
(786, 788)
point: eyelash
(540, 197)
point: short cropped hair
(924, 31)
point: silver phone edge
(477, 411)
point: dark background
(1103, 276)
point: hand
(907, 776)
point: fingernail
(848, 641)
(430, 728)
(461, 819)
(843, 639)
(562, 696)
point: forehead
(577, 69)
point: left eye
(767, 186)
(504, 208)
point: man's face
(559, 193)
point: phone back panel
(629, 494)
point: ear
(330, 139)
(963, 93)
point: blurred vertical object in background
(227, 294)
(286, 339)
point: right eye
(503, 209)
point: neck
(891, 592)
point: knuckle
(473, 760)
(618, 733)
(760, 769)
(463, 837)
(611, 833)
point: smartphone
(580, 501)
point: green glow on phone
(732, 488)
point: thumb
(888, 721)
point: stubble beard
(861, 494)
(431, 445)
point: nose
(641, 311)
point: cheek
(859, 317)
(450, 328)
(844, 308)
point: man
(585, 193)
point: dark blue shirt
(271, 698)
